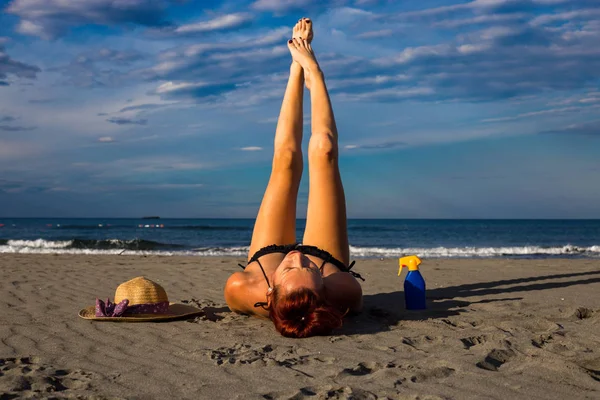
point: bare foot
(302, 53)
(303, 30)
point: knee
(322, 147)
(287, 159)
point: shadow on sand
(383, 310)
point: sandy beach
(495, 329)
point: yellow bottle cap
(412, 262)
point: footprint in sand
(469, 342)
(433, 373)
(241, 354)
(395, 374)
(28, 377)
(495, 359)
(423, 343)
(360, 370)
(542, 340)
(329, 393)
(583, 313)
(592, 367)
(285, 356)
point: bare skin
(326, 225)
(303, 30)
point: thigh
(276, 219)
(326, 225)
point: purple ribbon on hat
(110, 309)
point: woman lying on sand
(304, 289)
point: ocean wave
(474, 252)
(147, 247)
(51, 246)
(38, 244)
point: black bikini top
(309, 250)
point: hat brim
(176, 311)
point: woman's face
(297, 271)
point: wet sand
(495, 329)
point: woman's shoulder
(242, 292)
(344, 291)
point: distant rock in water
(151, 217)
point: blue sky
(446, 109)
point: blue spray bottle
(414, 284)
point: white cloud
(551, 111)
(480, 19)
(106, 139)
(472, 48)
(410, 53)
(251, 148)
(375, 34)
(168, 186)
(223, 22)
(570, 16)
(280, 5)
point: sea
(368, 238)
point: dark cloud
(504, 60)
(7, 186)
(52, 18)
(257, 55)
(9, 128)
(90, 76)
(7, 118)
(209, 70)
(479, 8)
(588, 128)
(124, 57)
(16, 187)
(495, 63)
(8, 66)
(42, 101)
(127, 121)
(384, 145)
(100, 68)
(193, 91)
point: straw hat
(138, 300)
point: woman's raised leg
(326, 224)
(276, 219)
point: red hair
(303, 313)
